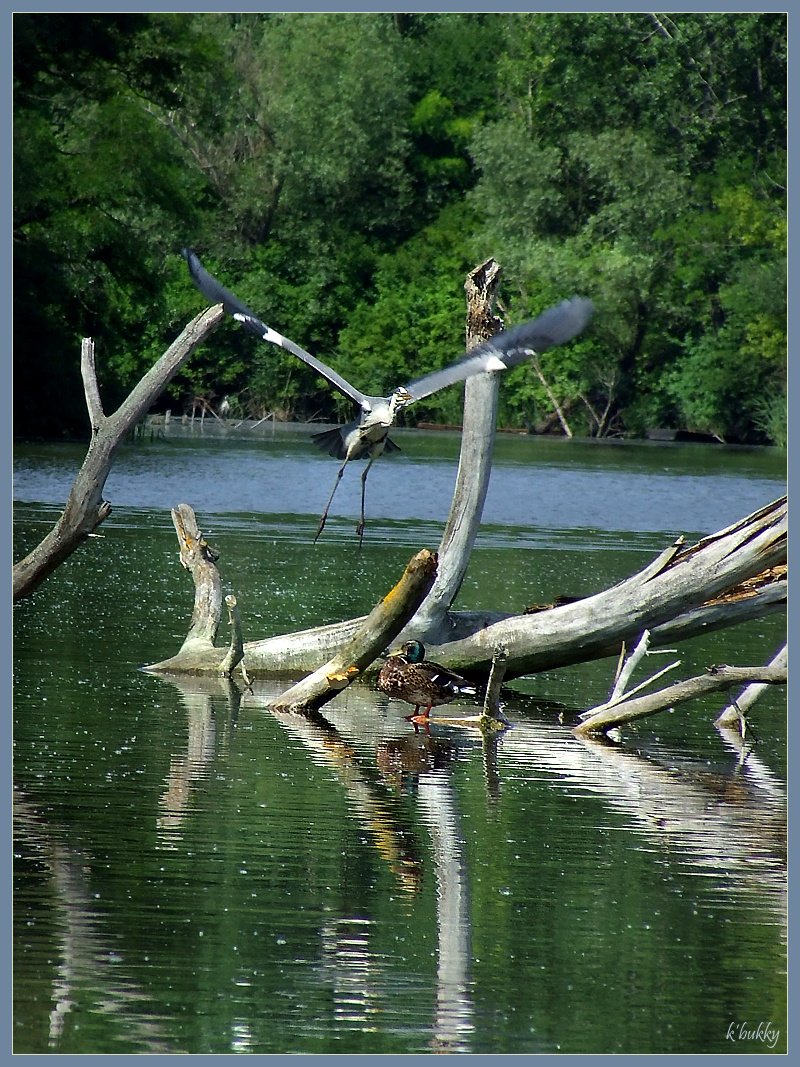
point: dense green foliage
(342, 172)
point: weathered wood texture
(734, 712)
(678, 582)
(717, 678)
(669, 598)
(235, 654)
(433, 621)
(373, 637)
(491, 698)
(201, 562)
(368, 639)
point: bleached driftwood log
(734, 713)
(474, 465)
(670, 598)
(85, 508)
(671, 588)
(637, 707)
(666, 597)
(592, 628)
(200, 560)
(379, 629)
(199, 655)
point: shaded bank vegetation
(366, 162)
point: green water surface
(195, 873)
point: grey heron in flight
(368, 433)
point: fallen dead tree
(85, 508)
(199, 654)
(671, 593)
(686, 591)
(679, 591)
(624, 706)
(715, 679)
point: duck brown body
(407, 675)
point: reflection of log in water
(202, 704)
(454, 1010)
(730, 826)
(89, 967)
(378, 809)
(380, 812)
(185, 771)
(358, 976)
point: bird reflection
(401, 757)
(367, 795)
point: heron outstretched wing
(553, 327)
(212, 289)
(217, 293)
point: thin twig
(636, 689)
(491, 700)
(627, 670)
(235, 654)
(552, 398)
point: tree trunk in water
(85, 508)
(678, 595)
(433, 622)
(678, 583)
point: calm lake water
(196, 873)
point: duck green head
(414, 651)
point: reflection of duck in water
(408, 757)
(408, 676)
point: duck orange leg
(424, 717)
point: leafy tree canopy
(342, 172)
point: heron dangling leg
(360, 527)
(321, 526)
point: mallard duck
(408, 676)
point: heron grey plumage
(368, 433)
